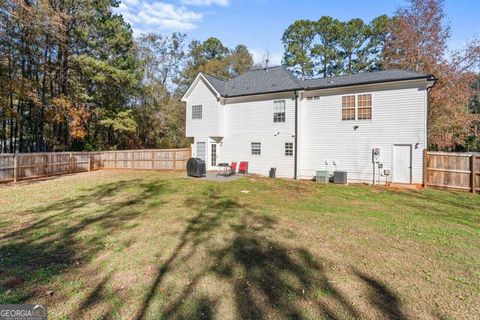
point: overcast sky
(259, 24)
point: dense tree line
(73, 78)
(64, 65)
(415, 38)
(329, 46)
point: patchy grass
(146, 245)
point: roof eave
(265, 92)
(428, 78)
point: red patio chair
(243, 168)
(233, 167)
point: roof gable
(201, 77)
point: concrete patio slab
(212, 176)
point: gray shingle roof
(218, 84)
(280, 79)
(263, 81)
(364, 78)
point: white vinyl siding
(211, 122)
(249, 120)
(399, 118)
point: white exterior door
(402, 163)
(213, 155)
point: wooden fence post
(70, 167)
(15, 167)
(89, 161)
(473, 173)
(46, 167)
(115, 161)
(153, 160)
(425, 176)
(175, 160)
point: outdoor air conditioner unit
(340, 177)
(321, 176)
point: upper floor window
(197, 112)
(313, 98)
(364, 106)
(279, 111)
(256, 148)
(357, 107)
(348, 108)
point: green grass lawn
(150, 245)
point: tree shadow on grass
(380, 296)
(212, 210)
(268, 279)
(51, 245)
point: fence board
(34, 165)
(452, 170)
(6, 167)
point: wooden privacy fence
(21, 166)
(452, 170)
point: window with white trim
(348, 108)
(279, 111)
(357, 107)
(256, 148)
(288, 149)
(201, 150)
(364, 108)
(197, 112)
(313, 98)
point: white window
(313, 98)
(279, 111)
(357, 107)
(197, 112)
(364, 108)
(348, 108)
(256, 148)
(201, 150)
(288, 149)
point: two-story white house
(270, 118)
